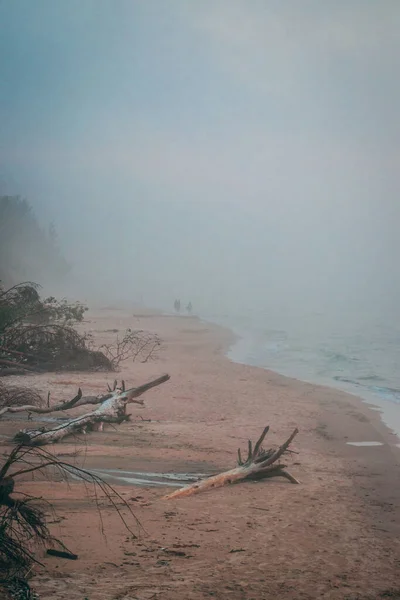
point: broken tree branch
(80, 400)
(111, 409)
(142, 345)
(39, 410)
(260, 464)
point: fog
(241, 155)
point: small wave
(346, 380)
(338, 357)
(370, 378)
(274, 332)
(386, 391)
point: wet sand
(336, 536)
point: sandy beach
(334, 536)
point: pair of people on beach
(177, 306)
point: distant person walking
(177, 306)
(189, 308)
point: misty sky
(241, 154)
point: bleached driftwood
(112, 409)
(259, 464)
(80, 400)
(32, 408)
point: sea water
(357, 353)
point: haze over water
(241, 155)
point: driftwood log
(259, 464)
(111, 409)
(80, 400)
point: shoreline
(389, 412)
(335, 536)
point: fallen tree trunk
(111, 410)
(31, 408)
(10, 363)
(259, 464)
(80, 400)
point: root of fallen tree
(259, 464)
(111, 409)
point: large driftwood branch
(111, 410)
(259, 464)
(80, 400)
(31, 408)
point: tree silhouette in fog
(27, 251)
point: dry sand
(334, 536)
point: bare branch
(281, 449)
(260, 440)
(135, 345)
(111, 409)
(259, 465)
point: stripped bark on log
(112, 409)
(80, 400)
(259, 464)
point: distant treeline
(27, 250)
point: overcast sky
(238, 153)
